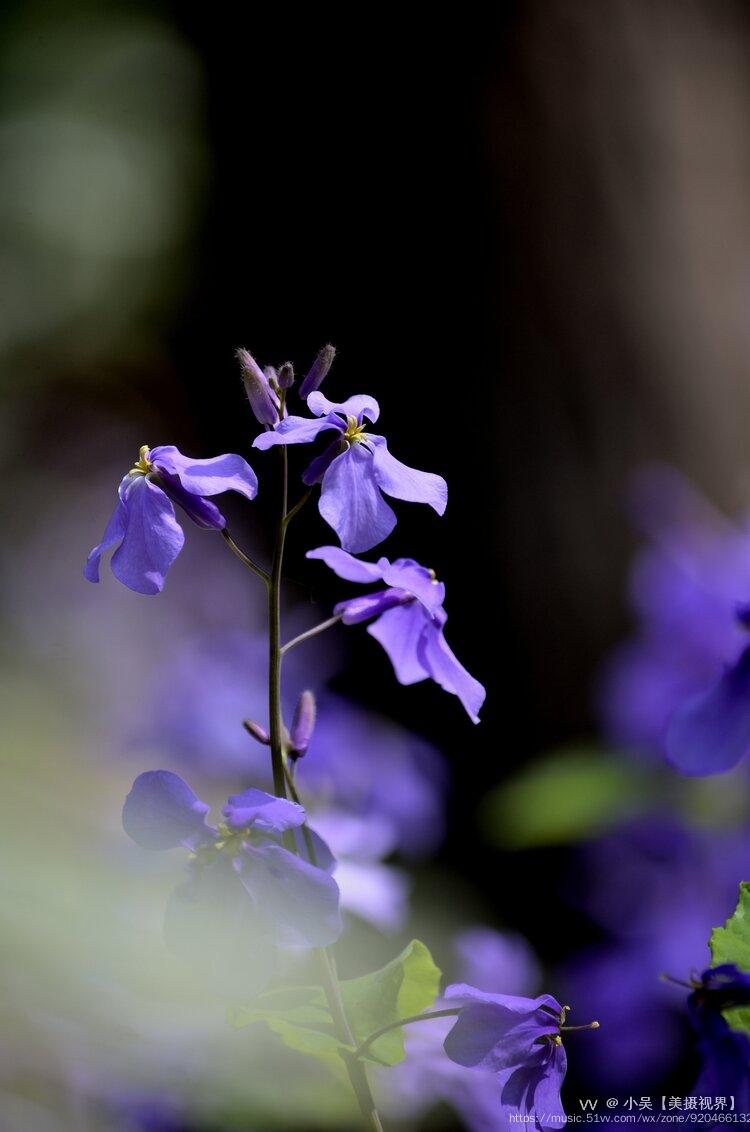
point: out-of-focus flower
(518, 1040)
(144, 522)
(408, 621)
(427, 1075)
(682, 684)
(263, 400)
(355, 470)
(725, 1053)
(673, 885)
(303, 725)
(292, 902)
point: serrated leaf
(731, 943)
(407, 985)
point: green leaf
(571, 793)
(300, 1016)
(731, 943)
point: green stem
(363, 1047)
(244, 558)
(355, 1069)
(321, 628)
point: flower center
(354, 431)
(143, 465)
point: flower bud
(262, 399)
(318, 371)
(272, 377)
(253, 728)
(286, 376)
(302, 725)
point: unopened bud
(303, 725)
(272, 377)
(318, 371)
(256, 731)
(286, 376)
(262, 399)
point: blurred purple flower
(673, 885)
(682, 684)
(355, 469)
(518, 1041)
(409, 621)
(725, 1053)
(144, 523)
(292, 902)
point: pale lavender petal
(114, 532)
(262, 811)
(202, 511)
(162, 812)
(402, 482)
(346, 566)
(357, 609)
(358, 406)
(228, 472)
(407, 574)
(351, 503)
(399, 631)
(300, 900)
(297, 430)
(153, 538)
(375, 892)
(447, 671)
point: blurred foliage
(731, 944)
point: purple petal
(548, 1106)
(358, 609)
(318, 467)
(202, 511)
(406, 574)
(534, 1090)
(311, 847)
(262, 811)
(516, 1004)
(161, 811)
(346, 566)
(210, 923)
(351, 503)
(300, 900)
(447, 671)
(297, 430)
(153, 537)
(358, 406)
(399, 631)
(207, 477)
(710, 733)
(402, 482)
(490, 1035)
(114, 532)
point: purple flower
(408, 621)
(144, 522)
(725, 1053)
(210, 919)
(681, 686)
(355, 469)
(518, 1040)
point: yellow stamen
(354, 430)
(143, 465)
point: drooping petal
(262, 811)
(399, 631)
(497, 1032)
(710, 733)
(447, 671)
(318, 467)
(407, 574)
(548, 1107)
(297, 430)
(114, 532)
(357, 609)
(533, 1091)
(358, 406)
(515, 1003)
(299, 900)
(161, 812)
(202, 511)
(210, 923)
(402, 482)
(351, 503)
(311, 846)
(153, 538)
(228, 472)
(346, 566)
